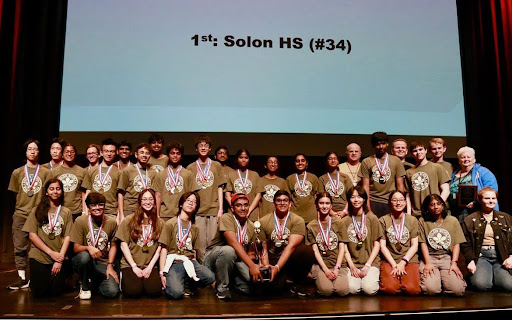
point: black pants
(296, 268)
(43, 283)
(133, 286)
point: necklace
(353, 174)
(439, 224)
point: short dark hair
(108, 142)
(142, 145)
(124, 143)
(415, 144)
(155, 137)
(59, 141)
(202, 138)
(175, 145)
(240, 151)
(95, 198)
(29, 141)
(378, 137)
(281, 192)
(221, 147)
(69, 145)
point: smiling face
(143, 155)
(324, 206)
(156, 146)
(190, 204)
(272, 165)
(466, 160)
(174, 157)
(354, 152)
(124, 152)
(203, 148)
(488, 201)
(356, 200)
(92, 155)
(437, 150)
(399, 149)
(241, 209)
(282, 204)
(147, 201)
(419, 153)
(397, 202)
(332, 161)
(69, 154)
(301, 163)
(222, 155)
(108, 153)
(54, 192)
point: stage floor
(19, 304)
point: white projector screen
(290, 66)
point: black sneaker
(224, 295)
(190, 292)
(298, 290)
(20, 284)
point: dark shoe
(20, 284)
(299, 290)
(224, 295)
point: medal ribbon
(53, 222)
(31, 182)
(359, 227)
(95, 238)
(325, 233)
(52, 166)
(382, 168)
(240, 232)
(280, 228)
(182, 235)
(142, 179)
(242, 180)
(120, 167)
(146, 232)
(399, 229)
(203, 174)
(335, 185)
(303, 183)
(174, 178)
(103, 178)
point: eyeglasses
(96, 207)
(190, 201)
(282, 200)
(147, 199)
(397, 200)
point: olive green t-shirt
(381, 187)
(109, 187)
(446, 166)
(80, 234)
(20, 185)
(227, 223)
(330, 253)
(131, 184)
(72, 179)
(169, 238)
(303, 200)
(208, 189)
(339, 195)
(371, 233)
(61, 230)
(423, 181)
(171, 192)
(440, 237)
(159, 164)
(409, 232)
(294, 225)
(269, 187)
(141, 258)
(251, 187)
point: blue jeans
(90, 270)
(177, 279)
(489, 272)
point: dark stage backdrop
(31, 59)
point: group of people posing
(380, 224)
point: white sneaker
(84, 294)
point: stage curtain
(31, 60)
(485, 29)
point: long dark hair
(425, 212)
(184, 198)
(138, 217)
(44, 205)
(362, 193)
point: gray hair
(466, 149)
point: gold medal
(30, 193)
(278, 243)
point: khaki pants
(441, 280)
(326, 286)
(207, 229)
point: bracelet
(161, 273)
(278, 269)
(338, 266)
(405, 259)
(133, 265)
(367, 265)
(110, 263)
